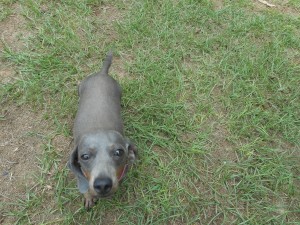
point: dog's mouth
(107, 196)
(121, 174)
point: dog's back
(99, 103)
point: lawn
(211, 97)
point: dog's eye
(85, 157)
(119, 152)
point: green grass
(211, 98)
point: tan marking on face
(86, 174)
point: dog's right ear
(82, 182)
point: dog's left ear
(132, 151)
(82, 182)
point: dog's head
(100, 161)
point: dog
(102, 154)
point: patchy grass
(294, 3)
(211, 98)
(5, 9)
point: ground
(19, 150)
(210, 97)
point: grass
(211, 98)
(5, 9)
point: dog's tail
(107, 63)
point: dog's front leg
(89, 200)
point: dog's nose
(103, 185)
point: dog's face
(99, 161)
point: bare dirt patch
(105, 17)
(6, 73)
(279, 6)
(20, 147)
(109, 12)
(223, 149)
(21, 129)
(13, 31)
(120, 63)
(218, 4)
(282, 6)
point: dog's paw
(89, 201)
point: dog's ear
(82, 182)
(132, 151)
